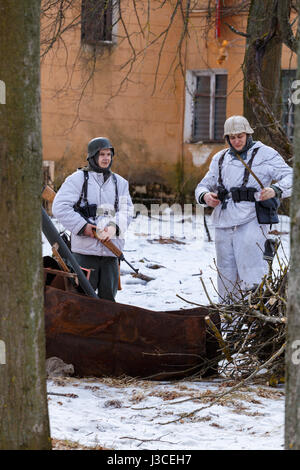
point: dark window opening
(209, 107)
(96, 21)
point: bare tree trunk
(292, 404)
(266, 31)
(24, 420)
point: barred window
(209, 110)
(288, 108)
(96, 21)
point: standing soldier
(94, 197)
(243, 208)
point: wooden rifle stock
(48, 194)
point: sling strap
(246, 172)
(83, 195)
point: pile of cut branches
(253, 329)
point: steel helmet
(97, 144)
(237, 125)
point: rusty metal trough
(103, 338)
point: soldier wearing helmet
(243, 210)
(95, 198)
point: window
(288, 108)
(96, 21)
(205, 106)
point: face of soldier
(238, 141)
(104, 158)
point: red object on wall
(218, 19)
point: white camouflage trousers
(239, 256)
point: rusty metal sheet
(104, 338)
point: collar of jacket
(94, 167)
(243, 153)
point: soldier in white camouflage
(95, 197)
(243, 210)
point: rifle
(49, 194)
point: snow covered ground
(125, 413)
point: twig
(148, 440)
(218, 335)
(274, 293)
(266, 318)
(188, 301)
(205, 290)
(240, 33)
(69, 395)
(232, 389)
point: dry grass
(63, 444)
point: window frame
(114, 22)
(191, 88)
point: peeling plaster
(200, 153)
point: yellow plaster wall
(144, 118)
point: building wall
(144, 125)
(140, 105)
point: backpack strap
(220, 163)
(246, 173)
(83, 195)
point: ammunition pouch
(243, 193)
(266, 211)
(87, 211)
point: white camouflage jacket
(103, 195)
(267, 165)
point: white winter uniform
(237, 231)
(103, 195)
